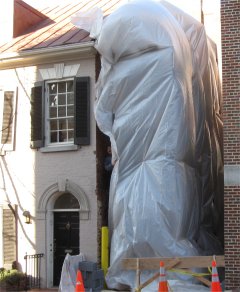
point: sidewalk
(54, 290)
(43, 290)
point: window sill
(59, 148)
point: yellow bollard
(104, 250)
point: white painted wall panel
(27, 173)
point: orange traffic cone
(79, 282)
(215, 285)
(162, 287)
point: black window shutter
(8, 117)
(82, 111)
(37, 115)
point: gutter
(47, 55)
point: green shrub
(13, 280)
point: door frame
(64, 211)
(45, 209)
(50, 241)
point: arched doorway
(65, 232)
(52, 202)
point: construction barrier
(181, 265)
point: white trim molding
(47, 55)
(49, 197)
(232, 175)
(45, 211)
(59, 71)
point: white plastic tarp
(158, 99)
(69, 272)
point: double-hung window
(60, 113)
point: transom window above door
(66, 201)
(60, 112)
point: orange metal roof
(56, 29)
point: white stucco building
(48, 156)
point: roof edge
(46, 55)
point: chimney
(17, 17)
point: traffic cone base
(162, 287)
(215, 285)
(79, 282)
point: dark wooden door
(66, 240)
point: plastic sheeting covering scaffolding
(158, 99)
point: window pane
(70, 86)
(62, 124)
(62, 136)
(70, 135)
(61, 99)
(53, 112)
(62, 111)
(54, 137)
(70, 98)
(53, 125)
(66, 201)
(52, 88)
(53, 100)
(70, 123)
(70, 110)
(61, 87)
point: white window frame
(10, 146)
(48, 144)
